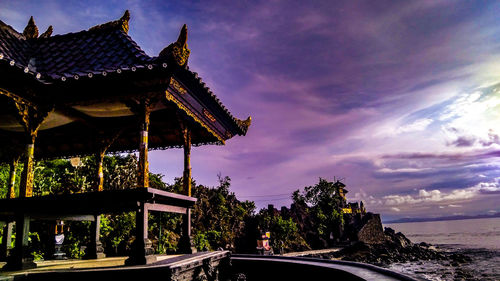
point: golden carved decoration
(31, 30)
(26, 186)
(31, 117)
(122, 23)
(48, 32)
(170, 97)
(245, 123)
(178, 51)
(177, 86)
(15, 97)
(209, 115)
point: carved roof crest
(178, 51)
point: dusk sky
(401, 99)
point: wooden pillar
(21, 258)
(186, 245)
(7, 230)
(143, 166)
(6, 241)
(95, 249)
(11, 191)
(31, 117)
(186, 177)
(142, 251)
(100, 172)
(26, 187)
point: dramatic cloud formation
(400, 98)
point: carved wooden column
(143, 166)
(186, 177)
(142, 252)
(95, 249)
(31, 117)
(11, 191)
(100, 171)
(186, 245)
(7, 230)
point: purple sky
(399, 98)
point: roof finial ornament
(244, 123)
(177, 52)
(47, 33)
(31, 31)
(124, 20)
(121, 23)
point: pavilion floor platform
(168, 267)
(48, 265)
(88, 206)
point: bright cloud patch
(471, 119)
(437, 196)
(416, 126)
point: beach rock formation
(395, 247)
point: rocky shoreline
(419, 260)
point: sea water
(476, 238)
(471, 233)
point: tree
(218, 217)
(319, 213)
(285, 234)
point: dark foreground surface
(219, 265)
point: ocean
(477, 238)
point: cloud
(418, 125)
(464, 141)
(437, 196)
(395, 209)
(403, 170)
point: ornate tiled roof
(13, 45)
(99, 51)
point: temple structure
(95, 92)
(347, 207)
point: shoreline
(481, 266)
(422, 260)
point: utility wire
(269, 195)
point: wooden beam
(166, 208)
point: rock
(371, 230)
(395, 247)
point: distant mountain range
(404, 220)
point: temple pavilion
(95, 92)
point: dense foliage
(219, 219)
